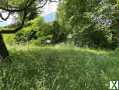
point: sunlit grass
(58, 68)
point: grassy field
(58, 68)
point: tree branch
(17, 9)
(1, 16)
(25, 9)
(17, 28)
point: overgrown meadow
(58, 68)
(79, 50)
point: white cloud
(49, 8)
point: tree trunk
(3, 50)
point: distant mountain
(50, 17)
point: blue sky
(49, 11)
(50, 17)
(3, 23)
(49, 14)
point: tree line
(89, 23)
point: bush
(95, 37)
(59, 33)
(24, 36)
(41, 32)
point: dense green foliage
(38, 32)
(86, 23)
(58, 68)
(94, 23)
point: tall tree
(18, 8)
(91, 20)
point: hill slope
(58, 68)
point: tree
(21, 9)
(92, 21)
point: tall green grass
(58, 68)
